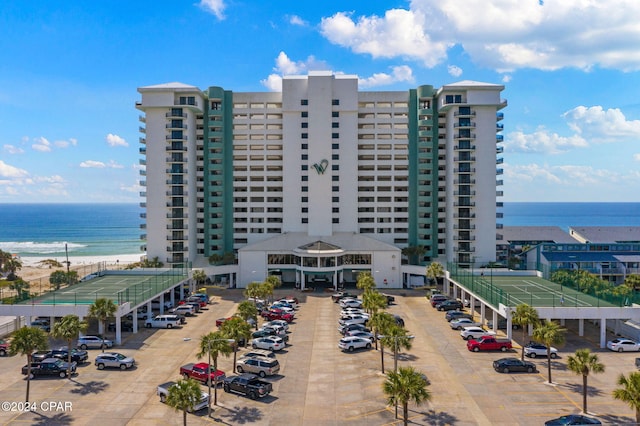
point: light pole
(215, 377)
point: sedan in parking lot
(352, 327)
(509, 365)
(280, 323)
(77, 355)
(363, 334)
(350, 303)
(359, 320)
(363, 317)
(114, 360)
(271, 343)
(623, 345)
(454, 315)
(459, 324)
(351, 343)
(437, 298)
(573, 419)
(534, 350)
(469, 333)
(449, 305)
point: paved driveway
(320, 385)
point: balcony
(143, 150)
(499, 138)
(177, 249)
(464, 114)
(464, 238)
(143, 183)
(178, 114)
(464, 227)
(143, 215)
(499, 160)
(464, 181)
(464, 158)
(143, 205)
(464, 215)
(142, 129)
(143, 193)
(464, 125)
(176, 147)
(464, 135)
(172, 226)
(464, 204)
(499, 149)
(499, 171)
(142, 162)
(176, 126)
(464, 193)
(499, 127)
(499, 116)
(176, 238)
(143, 141)
(499, 193)
(142, 119)
(181, 138)
(177, 171)
(465, 170)
(177, 193)
(142, 172)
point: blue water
(565, 215)
(114, 229)
(86, 229)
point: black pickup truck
(248, 385)
(49, 367)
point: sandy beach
(33, 269)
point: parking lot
(320, 385)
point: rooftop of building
(536, 234)
(605, 234)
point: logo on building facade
(321, 167)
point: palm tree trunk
(69, 359)
(28, 377)
(184, 417)
(584, 393)
(638, 415)
(405, 409)
(549, 363)
(523, 337)
(382, 356)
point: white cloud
(285, 66)
(11, 172)
(454, 70)
(401, 73)
(113, 165)
(296, 20)
(41, 144)
(11, 149)
(506, 78)
(542, 35)
(214, 6)
(542, 141)
(601, 125)
(115, 140)
(66, 144)
(636, 157)
(91, 164)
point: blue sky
(69, 72)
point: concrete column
(483, 311)
(603, 333)
(529, 329)
(562, 321)
(118, 331)
(495, 321)
(581, 327)
(509, 327)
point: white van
(162, 321)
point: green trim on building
(227, 153)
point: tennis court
(532, 290)
(115, 285)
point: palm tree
(365, 281)
(549, 333)
(373, 301)
(25, 341)
(584, 362)
(214, 344)
(404, 386)
(523, 316)
(397, 338)
(267, 288)
(102, 310)
(199, 276)
(184, 395)
(247, 310)
(379, 324)
(254, 291)
(237, 329)
(630, 391)
(69, 328)
(434, 271)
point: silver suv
(93, 342)
(114, 360)
(258, 365)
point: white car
(347, 311)
(461, 323)
(279, 323)
(351, 343)
(468, 333)
(354, 316)
(623, 345)
(275, 329)
(114, 360)
(271, 343)
(361, 333)
(534, 350)
(93, 342)
(359, 320)
(350, 303)
(290, 301)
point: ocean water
(43, 230)
(565, 215)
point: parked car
(363, 317)
(573, 419)
(336, 297)
(124, 326)
(39, 356)
(279, 323)
(290, 300)
(268, 332)
(277, 314)
(41, 324)
(275, 330)
(398, 319)
(4, 347)
(437, 298)
(93, 342)
(163, 392)
(460, 323)
(258, 352)
(141, 315)
(258, 365)
(350, 311)
(272, 343)
(114, 360)
(77, 355)
(449, 305)
(350, 302)
(351, 343)
(489, 343)
(453, 315)
(502, 324)
(623, 345)
(358, 320)
(390, 299)
(201, 371)
(362, 334)
(49, 367)
(468, 333)
(162, 321)
(351, 327)
(510, 365)
(186, 310)
(247, 385)
(534, 350)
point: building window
(335, 199)
(335, 220)
(305, 178)
(335, 146)
(305, 189)
(305, 199)
(305, 146)
(304, 114)
(304, 220)
(304, 102)
(305, 210)
(335, 114)
(305, 136)
(335, 156)
(335, 178)
(335, 102)
(215, 105)
(335, 210)
(335, 135)
(304, 157)
(335, 125)
(304, 167)
(335, 167)
(335, 189)
(304, 125)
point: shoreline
(115, 259)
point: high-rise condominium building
(321, 181)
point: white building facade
(321, 181)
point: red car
(221, 321)
(277, 314)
